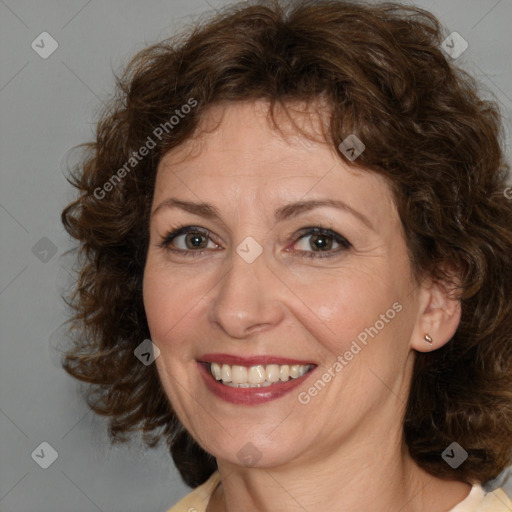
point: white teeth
(256, 376)
(239, 374)
(294, 371)
(216, 371)
(273, 374)
(225, 372)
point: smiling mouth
(257, 376)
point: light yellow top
(476, 501)
(197, 500)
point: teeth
(256, 376)
(225, 373)
(238, 374)
(216, 371)
(294, 371)
(274, 373)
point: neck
(378, 475)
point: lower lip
(249, 396)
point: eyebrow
(285, 212)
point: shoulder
(496, 501)
(480, 501)
(197, 500)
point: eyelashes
(170, 237)
(319, 233)
(316, 234)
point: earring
(428, 339)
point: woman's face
(250, 283)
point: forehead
(244, 125)
(239, 151)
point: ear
(438, 316)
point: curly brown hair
(425, 127)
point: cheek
(339, 309)
(161, 303)
(173, 302)
(154, 299)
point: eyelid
(318, 230)
(183, 230)
(295, 237)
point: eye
(321, 240)
(192, 238)
(194, 241)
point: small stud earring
(428, 339)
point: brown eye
(195, 240)
(321, 240)
(186, 239)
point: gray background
(47, 107)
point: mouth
(252, 380)
(256, 376)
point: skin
(343, 450)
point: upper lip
(250, 361)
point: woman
(298, 214)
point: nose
(247, 299)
